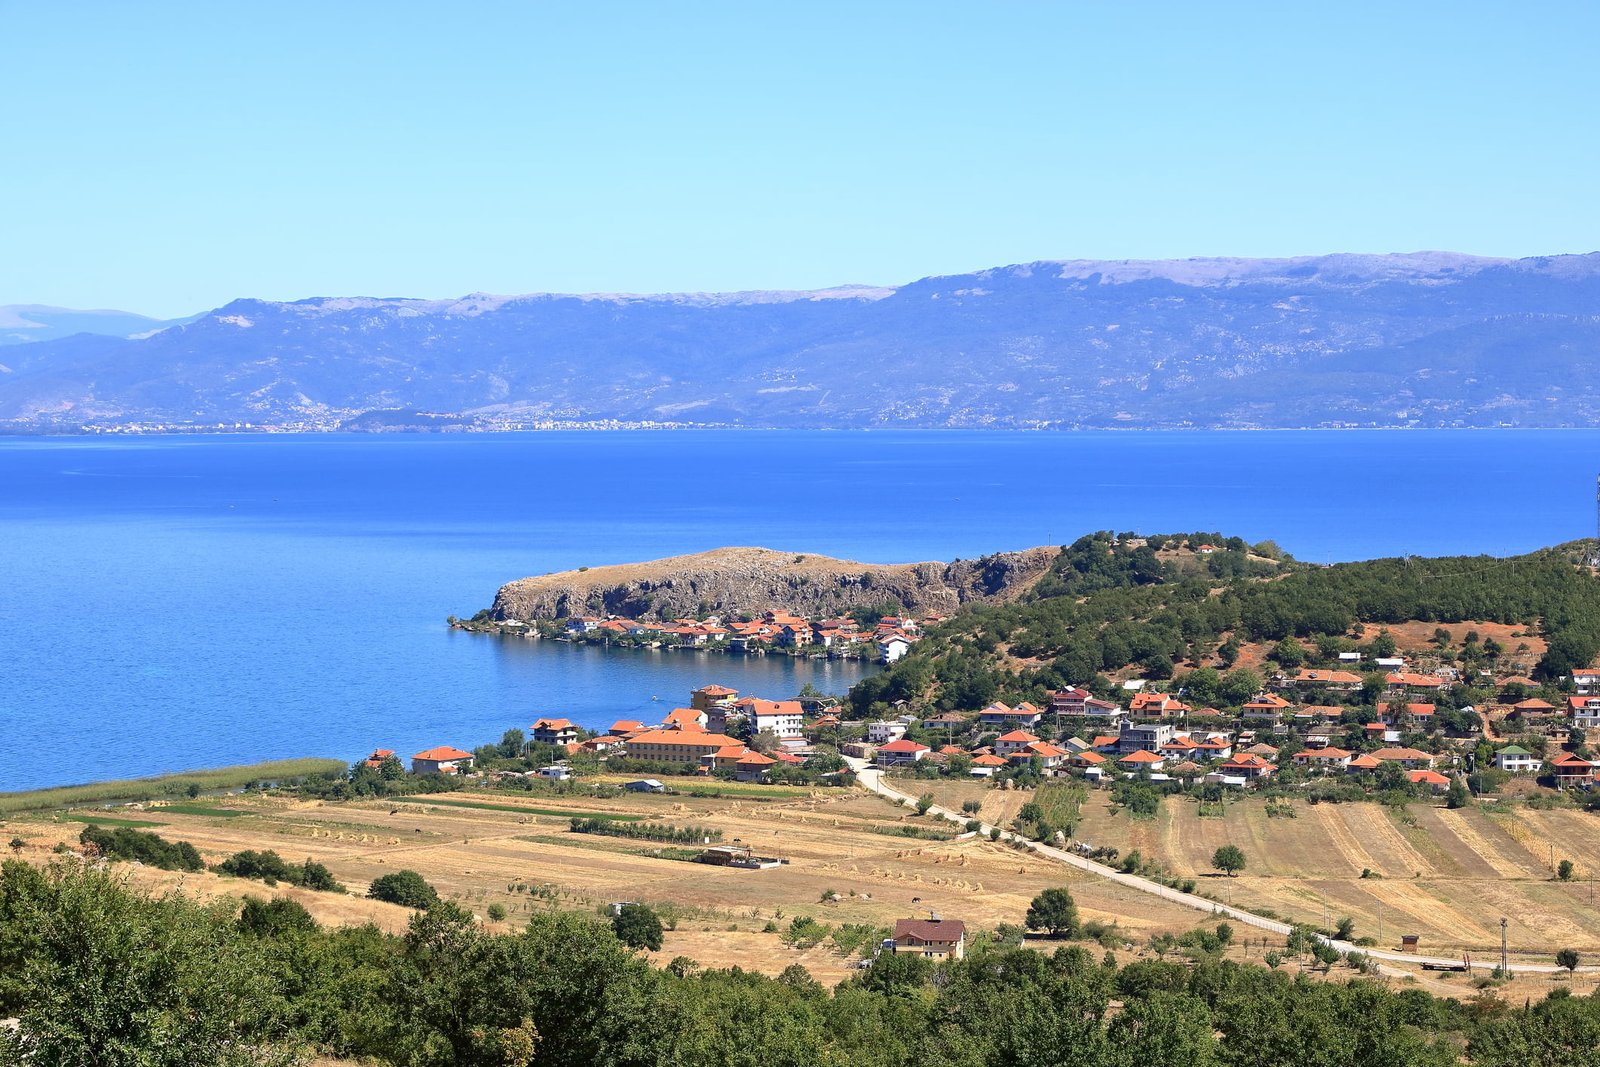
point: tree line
(97, 972)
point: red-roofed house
(1409, 758)
(685, 719)
(377, 757)
(1141, 761)
(753, 767)
(1573, 770)
(1328, 758)
(624, 727)
(934, 939)
(554, 732)
(1363, 762)
(1436, 782)
(679, 746)
(1013, 742)
(1247, 766)
(1585, 712)
(441, 760)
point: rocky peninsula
(748, 581)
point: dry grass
(1448, 876)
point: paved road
(873, 779)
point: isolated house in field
(555, 732)
(934, 939)
(441, 760)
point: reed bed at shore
(166, 785)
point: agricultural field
(517, 850)
(1446, 876)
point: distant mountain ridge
(21, 323)
(1417, 339)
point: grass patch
(166, 785)
(486, 806)
(106, 820)
(202, 809)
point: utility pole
(1505, 961)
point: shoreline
(174, 784)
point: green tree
(512, 743)
(1568, 958)
(1229, 859)
(404, 887)
(1457, 796)
(275, 918)
(637, 926)
(924, 802)
(116, 978)
(1564, 870)
(1053, 910)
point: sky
(168, 157)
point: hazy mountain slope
(20, 323)
(1425, 339)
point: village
(885, 639)
(1307, 725)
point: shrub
(497, 912)
(126, 843)
(406, 888)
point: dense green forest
(1111, 602)
(101, 974)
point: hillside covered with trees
(1170, 607)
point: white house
(893, 648)
(881, 733)
(1585, 712)
(1517, 760)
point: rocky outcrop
(734, 581)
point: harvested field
(1447, 876)
(832, 840)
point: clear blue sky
(167, 157)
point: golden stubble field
(528, 861)
(1446, 876)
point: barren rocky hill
(752, 580)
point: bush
(269, 867)
(497, 913)
(406, 888)
(274, 918)
(126, 843)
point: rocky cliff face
(734, 581)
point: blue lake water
(176, 602)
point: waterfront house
(624, 727)
(893, 648)
(934, 939)
(679, 746)
(784, 718)
(378, 756)
(685, 719)
(441, 760)
(555, 732)
(709, 696)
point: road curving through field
(872, 779)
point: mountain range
(1418, 339)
